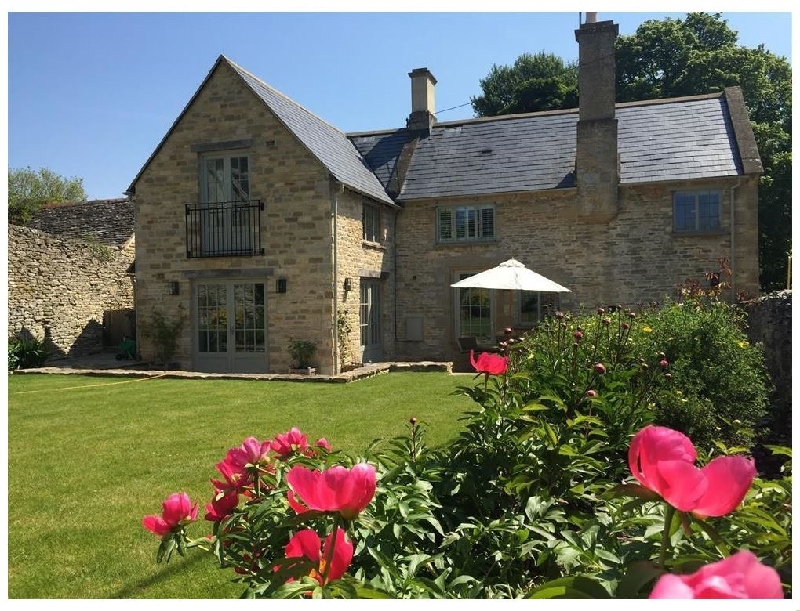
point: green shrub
(26, 353)
(712, 363)
(302, 353)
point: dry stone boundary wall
(59, 289)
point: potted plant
(302, 353)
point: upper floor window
(371, 222)
(224, 179)
(225, 222)
(696, 211)
(464, 223)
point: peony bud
(600, 368)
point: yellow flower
(743, 344)
(647, 329)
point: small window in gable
(696, 211)
(464, 223)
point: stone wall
(61, 288)
(769, 320)
(633, 258)
(358, 259)
(296, 226)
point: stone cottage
(258, 223)
(70, 276)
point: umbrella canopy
(511, 275)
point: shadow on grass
(169, 570)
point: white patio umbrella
(511, 275)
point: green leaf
(637, 576)
(636, 490)
(535, 407)
(551, 434)
(364, 591)
(579, 586)
(722, 546)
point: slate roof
(327, 143)
(108, 221)
(323, 140)
(660, 140)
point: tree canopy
(541, 82)
(671, 58)
(29, 189)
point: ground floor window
(474, 312)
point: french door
(370, 321)
(225, 195)
(230, 333)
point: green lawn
(88, 457)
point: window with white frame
(464, 223)
(696, 211)
(371, 221)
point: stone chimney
(423, 100)
(596, 158)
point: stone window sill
(699, 234)
(372, 245)
(463, 243)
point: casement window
(371, 221)
(696, 211)
(531, 307)
(473, 314)
(464, 223)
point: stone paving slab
(367, 371)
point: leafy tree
(535, 82)
(672, 58)
(698, 55)
(28, 189)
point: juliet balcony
(224, 229)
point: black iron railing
(224, 229)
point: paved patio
(106, 364)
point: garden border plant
(532, 500)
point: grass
(88, 457)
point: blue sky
(92, 94)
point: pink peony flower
(236, 477)
(323, 443)
(252, 453)
(663, 461)
(290, 442)
(346, 491)
(738, 576)
(306, 543)
(664, 363)
(222, 506)
(176, 511)
(578, 335)
(490, 364)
